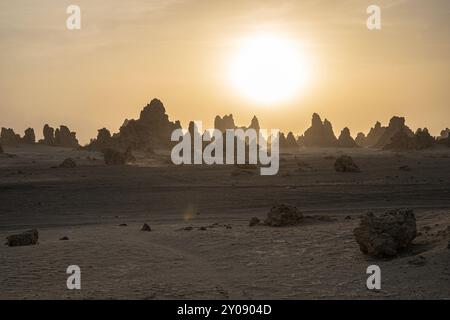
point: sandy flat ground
(221, 257)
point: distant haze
(129, 52)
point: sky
(129, 52)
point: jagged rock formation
(49, 135)
(65, 138)
(361, 139)
(374, 135)
(320, 134)
(61, 137)
(345, 140)
(385, 235)
(403, 141)
(396, 124)
(423, 139)
(152, 130)
(345, 164)
(103, 141)
(287, 142)
(254, 124)
(445, 133)
(29, 136)
(9, 138)
(227, 122)
(283, 215)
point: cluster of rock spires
(153, 130)
(61, 137)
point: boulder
(68, 163)
(26, 238)
(345, 164)
(283, 215)
(386, 234)
(345, 140)
(253, 222)
(115, 157)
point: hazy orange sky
(129, 52)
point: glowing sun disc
(268, 69)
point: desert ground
(201, 246)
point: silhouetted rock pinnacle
(29, 137)
(396, 124)
(9, 137)
(320, 134)
(345, 140)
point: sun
(268, 69)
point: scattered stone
(188, 228)
(146, 227)
(123, 225)
(283, 215)
(448, 244)
(65, 238)
(348, 218)
(386, 234)
(405, 168)
(68, 163)
(26, 238)
(418, 261)
(202, 228)
(253, 222)
(345, 164)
